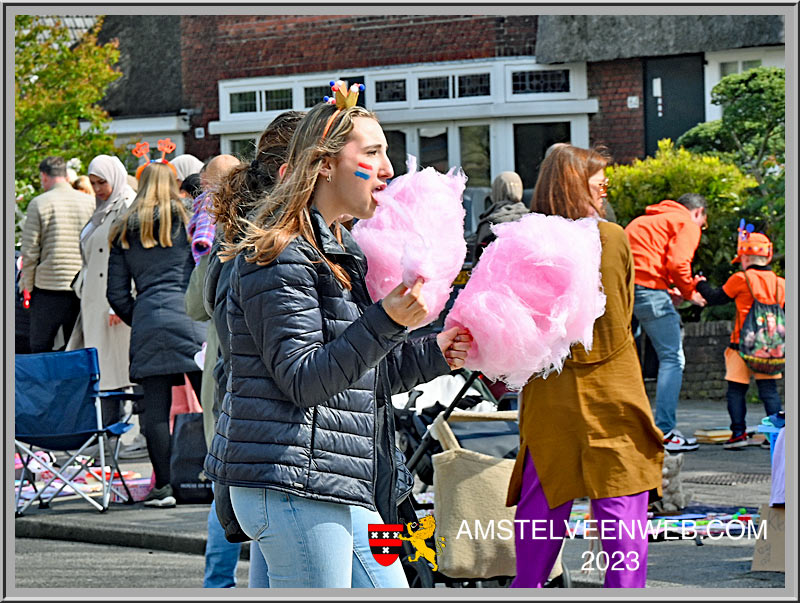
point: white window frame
(499, 110)
(578, 87)
(770, 56)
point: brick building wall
(615, 125)
(704, 344)
(259, 45)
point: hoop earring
(328, 178)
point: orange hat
(752, 243)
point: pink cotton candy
(417, 231)
(534, 293)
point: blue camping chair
(57, 408)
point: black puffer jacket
(164, 339)
(313, 365)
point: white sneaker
(674, 442)
(160, 497)
(690, 441)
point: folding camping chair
(57, 408)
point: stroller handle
(427, 439)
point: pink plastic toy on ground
(534, 293)
(417, 231)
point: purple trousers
(538, 545)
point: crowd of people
(253, 260)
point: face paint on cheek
(365, 166)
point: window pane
(530, 143)
(397, 150)
(434, 87)
(474, 85)
(751, 64)
(314, 94)
(279, 100)
(537, 82)
(728, 68)
(433, 148)
(390, 91)
(244, 148)
(475, 159)
(243, 102)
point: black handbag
(226, 515)
(188, 480)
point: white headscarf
(186, 165)
(112, 170)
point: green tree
(57, 85)
(753, 122)
(752, 134)
(668, 175)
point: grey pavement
(681, 563)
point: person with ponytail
(236, 194)
(305, 431)
(150, 248)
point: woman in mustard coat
(588, 431)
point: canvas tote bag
(470, 486)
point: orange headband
(165, 145)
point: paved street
(58, 564)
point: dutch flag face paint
(360, 174)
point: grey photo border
(790, 13)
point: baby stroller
(467, 467)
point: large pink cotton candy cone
(534, 293)
(417, 231)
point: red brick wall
(615, 125)
(215, 48)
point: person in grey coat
(305, 436)
(149, 245)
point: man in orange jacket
(663, 242)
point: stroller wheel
(419, 574)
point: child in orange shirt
(754, 251)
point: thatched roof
(150, 61)
(566, 38)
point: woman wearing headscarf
(97, 325)
(186, 165)
(506, 205)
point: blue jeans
(657, 316)
(737, 405)
(222, 556)
(257, 576)
(313, 544)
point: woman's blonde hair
(157, 195)
(284, 214)
(562, 188)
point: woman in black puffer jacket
(149, 246)
(305, 430)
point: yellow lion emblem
(417, 539)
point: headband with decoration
(751, 243)
(142, 149)
(343, 98)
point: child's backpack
(762, 338)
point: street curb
(83, 531)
